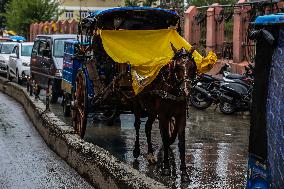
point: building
(72, 8)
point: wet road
(216, 148)
(25, 160)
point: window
(43, 45)
(58, 48)
(7, 48)
(84, 14)
(15, 50)
(26, 50)
(69, 14)
(35, 47)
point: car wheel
(8, 74)
(54, 95)
(18, 79)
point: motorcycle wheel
(226, 108)
(199, 101)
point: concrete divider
(94, 163)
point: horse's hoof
(185, 177)
(151, 158)
(136, 153)
(166, 171)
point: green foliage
(132, 3)
(150, 3)
(21, 13)
(2, 10)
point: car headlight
(25, 63)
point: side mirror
(46, 52)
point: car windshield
(27, 50)
(7, 48)
(58, 50)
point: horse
(166, 99)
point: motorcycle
(206, 88)
(235, 97)
(205, 91)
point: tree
(2, 10)
(150, 3)
(21, 13)
(132, 3)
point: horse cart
(132, 59)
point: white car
(6, 49)
(19, 62)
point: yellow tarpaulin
(147, 51)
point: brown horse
(165, 99)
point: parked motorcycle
(205, 91)
(235, 97)
(236, 91)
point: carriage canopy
(147, 51)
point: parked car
(47, 62)
(6, 49)
(19, 62)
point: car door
(35, 60)
(46, 61)
(13, 60)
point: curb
(95, 164)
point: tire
(19, 81)
(67, 110)
(80, 109)
(8, 74)
(199, 101)
(66, 106)
(54, 94)
(226, 108)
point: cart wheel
(172, 130)
(80, 112)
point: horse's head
(184, 68)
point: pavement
(26, 161)
(216, 147)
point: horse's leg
(181, 123)
(148, 128)
(137, 115)
(163, 124)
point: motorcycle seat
(210, 78)
(236, 87)
(235, 76)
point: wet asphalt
(25, 160)
(216, 147)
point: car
(47, 62)
(6, 49)
(19, 62)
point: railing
(224, 28)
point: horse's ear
(174, 49)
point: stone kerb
(94, 163)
